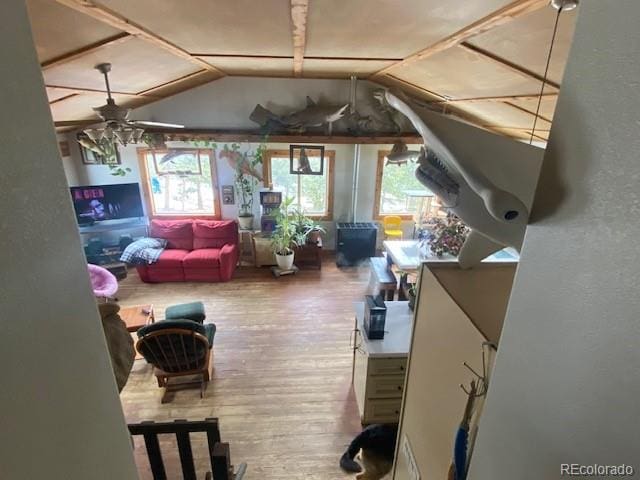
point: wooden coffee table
(135, 318)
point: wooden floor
(282, 369)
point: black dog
(378, 445)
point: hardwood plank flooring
(281, 383)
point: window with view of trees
(392, 184)
(180, 181)
(311, 193)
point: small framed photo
(91, 157)
(228, 195)
(306, 160)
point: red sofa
(197, 251)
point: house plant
(308, 230)
(285, 236)
(246, 179)
(447, 235)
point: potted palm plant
(285, 236)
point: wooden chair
(221, 468)
(392, 226)
(177, 348)
(383, 278)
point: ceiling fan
(117, 126)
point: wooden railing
(221, 468)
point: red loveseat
(197, 251)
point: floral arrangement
(447, 235)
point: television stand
(113, 225)
(102, 240)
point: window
(393, 182)
(311, 193)
(179, 182)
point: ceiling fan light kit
(564, 5)
(118, 127)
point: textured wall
(61, 415)
(565, 387)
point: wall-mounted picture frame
(90, 157)
(228, 195)
(306, 160)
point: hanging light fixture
(560, 6)
(117, 126)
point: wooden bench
(384, 279)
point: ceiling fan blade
(156, 124)
(77, 123)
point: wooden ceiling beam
(290, 57)
(507, 13)
(156, 92)
(517, 69)
(440, 98)
(92, 90)
(62, 99)
(504, 98)
(86, 50)
(299, 11)
(525, 110)
(99, 12)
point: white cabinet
(379, 366)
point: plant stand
(309, 254)
(278, 272)
(247, 250)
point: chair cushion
(214, 234)
(178, 233)
(192, 311)
(203, 258)
(171, 258)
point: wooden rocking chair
(177, 348)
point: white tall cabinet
(379, 366)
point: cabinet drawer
(385, 386)
(383, 410)
(387, 366)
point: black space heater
(355, 243)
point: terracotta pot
(313, 236)
(285, 262)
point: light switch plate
(412, 467)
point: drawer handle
(401, 367)
(397, 412)
(399, 387)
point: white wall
(227, 104)
(68, 162)
(61, 415)
(565, 387)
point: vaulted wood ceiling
(482, 60)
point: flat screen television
(96, 203)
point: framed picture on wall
(306, 160)
(109, 155)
